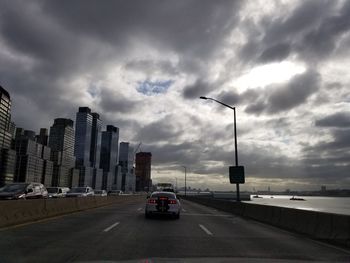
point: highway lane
(120, 232)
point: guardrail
(333, 228)
(14, 212)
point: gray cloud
(115, 102)
(197, 31)
(159, 131)
(229, 97)
(329, 161)
(197, 89)
(312, 37)
(339, 119)
(58, 55)
(277, 52)
(280, 98)
(151, 66)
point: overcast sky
(143, 64)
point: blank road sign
(237, 175)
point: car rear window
(169, 195)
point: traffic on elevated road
(121, 232)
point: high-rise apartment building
(61, 142)
(143, 171)
(5, 119)
(95, 148)
(42, 137)
(7, 155)
(126, 162)
(87, 147)
(109, 156)
(33, 162)
(83, 129)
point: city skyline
(285, 72)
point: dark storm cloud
(279, 98)
(329, 160)
(197, 89)
(63, 40)
(173, 154)
(159, 131)
(114, 102)
(229, 97)
(275, 53)
(181, 25)
(322, 40)
(339, 119)
(312, 30)
(152, 67)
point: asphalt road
(121, 232)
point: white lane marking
(110, 227)
(205, 230)
(183, 210)
(139, 209)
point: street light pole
(185, 180)
(235, 135)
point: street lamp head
(203, 98)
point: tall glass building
(61, 142)
(126, 162)
(7, 155)
(83, 129)
(87, 147)
(5, 119)
(109, 156)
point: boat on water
(256, 196)
(297, 199)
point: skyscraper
(126, 162)
(95, 140)
(61, 142)
(83, 129)
(109, 156)
(143, 171)
(7, 155)
(42, 137)
(87, 147)
(5, 119)
(33, 159)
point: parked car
(23, 191)
(80, 192)
(115, 192)
(55, 192)
(100, 192)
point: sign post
(237, 177)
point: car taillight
(152, 201)
(172, 202)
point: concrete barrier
(14, 212)
(327, 227)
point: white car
(55, 192)
(80, 192)
(115, 192)
(100, 193)
(163, 203)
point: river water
(337, 205)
